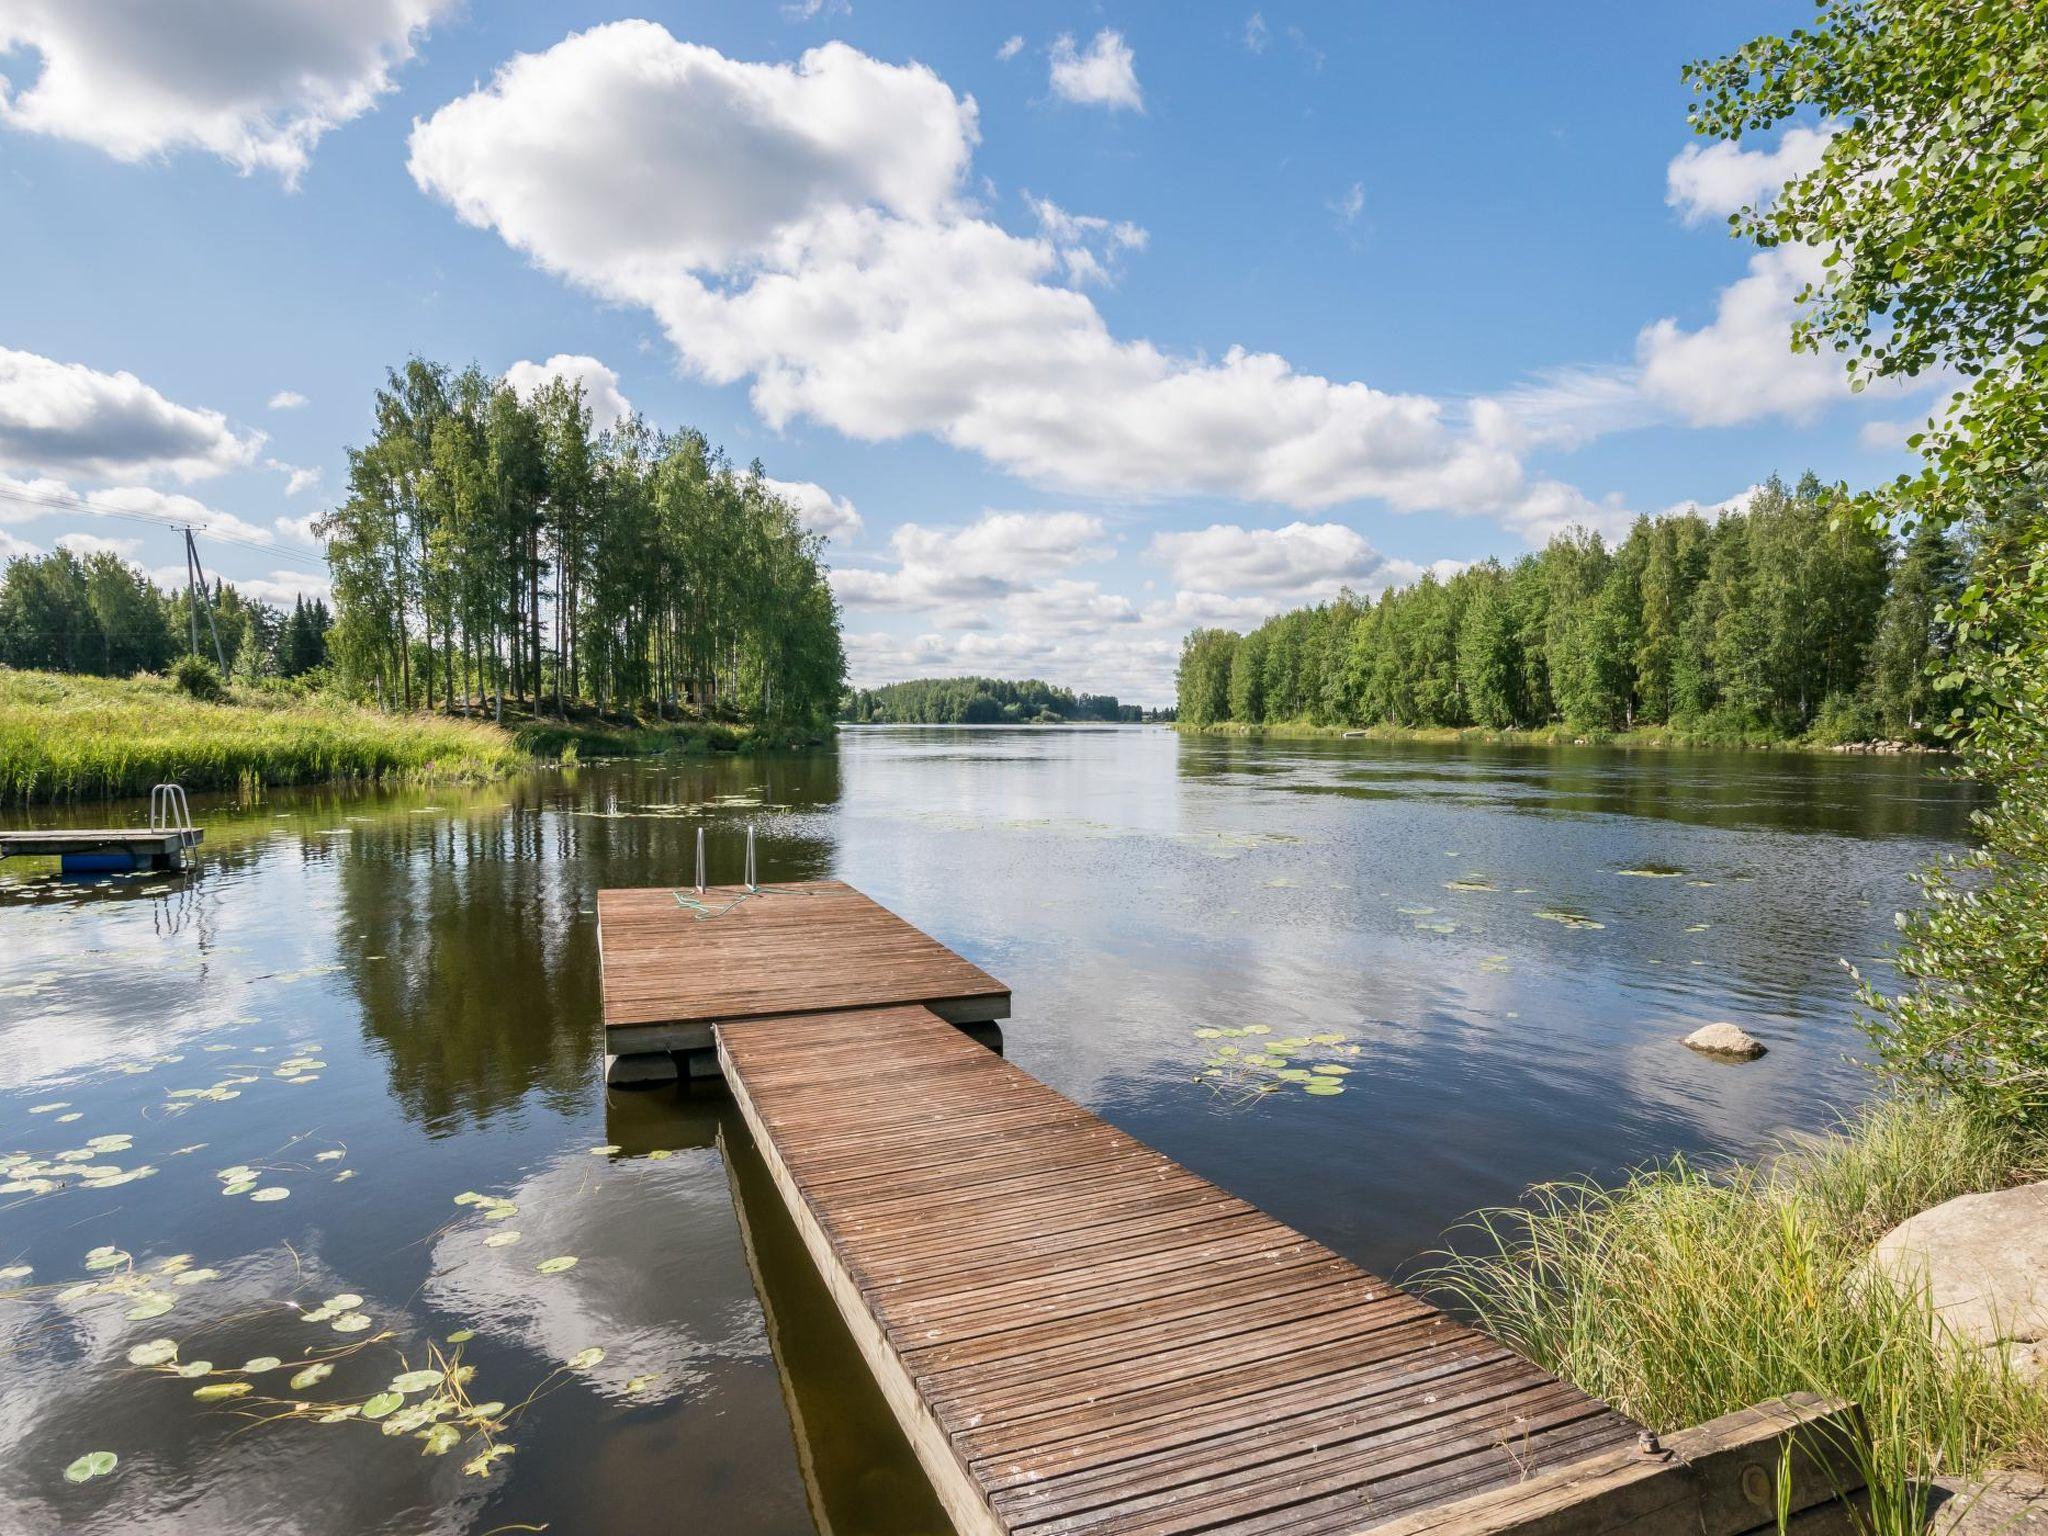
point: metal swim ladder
(168, 812)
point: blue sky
(1074, 326)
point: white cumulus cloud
(817, 508)
(608, 406)
(1294, 561)
(1104, 74)
(66, 418)
(288, 400)
(256, 82)
(626, 158)
(1741, 366)
(804, 228)
(1715, 180)
(84, 545)
(997, 555)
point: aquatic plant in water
(1241, 1075)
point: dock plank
(1079, 1335)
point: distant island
(984, 701)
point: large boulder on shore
(1984, 1262)
(1725, 1041)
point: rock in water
(1984, 1262)
(1725, 1040)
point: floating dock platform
(1078, 1335)
(107, 850)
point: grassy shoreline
(67, 738)
(1654, 737)
(1690, 1291)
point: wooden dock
(1079, 1336)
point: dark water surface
(427, 961)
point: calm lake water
(379, 1003)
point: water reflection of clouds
(70, 1388)
(643, 1232)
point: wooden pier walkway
(1080, 1336)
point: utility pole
(191, 601)
(195, 590)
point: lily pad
(383, 1405)
(1323, 1088)
(1568, 919)
(415, 1381)
(440, 1439)
(269, 1193)
(91, 1465)
(155, 1352)
(584, 1359)
(462, 1336)
(312, 1375)
(354, 1322)
(219, 1391)
(501, 1239)
(260, 1364)
(557, 1264)
(154, 1304)
(192, 1370)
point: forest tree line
(979, 701)
(100, 615)
(494, 546)
(1784, 619)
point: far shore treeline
(979, 701)
(1790, 619)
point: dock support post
(644, 1069)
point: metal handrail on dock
(169, 812)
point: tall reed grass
(1688, 1292)
(87, 738)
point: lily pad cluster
(87, 1166)
(1269, 1064)
(430, 1402)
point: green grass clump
(67, 737)
(1689, 1292)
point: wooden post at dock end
(1721, 1478)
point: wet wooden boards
(1081, 1336)
(675, 962)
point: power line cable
(162, 520)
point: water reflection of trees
(470, 940)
